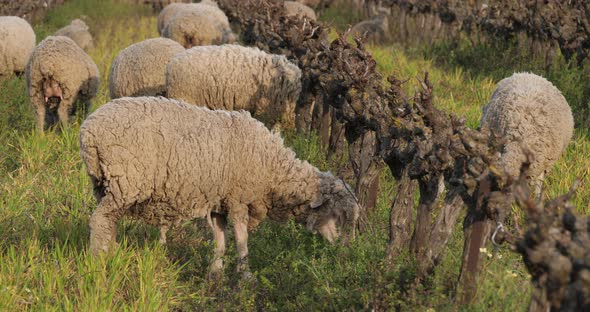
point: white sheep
(198, 24)
(299, 9)
(234, 77)
(78, 31)
(529, 112)
(61, 79)
(140, 69)
(166, 162)
(17, 41)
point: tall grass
(46, 200)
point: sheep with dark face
(165, 161)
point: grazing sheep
(61, 79)
(529, 112)
(375, 30)
(78, 31)
(295, 8)
(140, 69)
(198, 24)
(17, 41)
(168, 12)
(234, 77)
(165, 162)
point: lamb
(198, 24)
(375, 30)
(234, 77)
(78, 31)
(529, 112)
(140, 69)
(17, 41)
(61, 79)
(166, 162)
(295, 8)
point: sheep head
(335, 208)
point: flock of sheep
(178, 140)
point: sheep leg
(40, 115)
(239, 216)
(163, 231)
(103, 226)
(63, 112)
(218, 225)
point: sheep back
(528, 111)
(233, 77)
(79, 32)
(140, 69)
(166, 161)
(17, 41)
(167, 13)
(294, 8)
(199, 24)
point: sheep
(140, 69)
(61, 78)
(198, 24)
(168, 12)
(529, 112)
(17, 41)
(158, 5)
(78, 31)
(165, 162)
(295, 8)
(233, 77)
(375, 30)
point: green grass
(46, 200)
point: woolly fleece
(17, 41)
(295, 8)
(234, 77)
(78, 31)
(530, 112)
(198, 24)
(61, 59)
(165, 162)
(140, 69)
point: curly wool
(294, 8)
(140, 69)
(198, 24)
(165, 162)
(61, 59)
(233, 77)
(78, 31)
(17, 41)
(529, 112)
